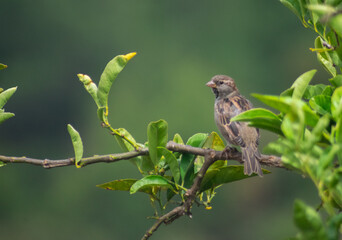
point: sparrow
(228, 104)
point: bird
(228, 104)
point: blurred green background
(180, 46)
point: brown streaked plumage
(228, 104)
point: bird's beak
(211, 84)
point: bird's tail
(251, 157)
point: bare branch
(167, 218)
(46, 163)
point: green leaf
(2, 66)
(143, 163)
(90, 86)
(260, 118)
(308, 221)
(123, 185)
(336, 54)
(296, 6)
(5, 115)
(328, 91)
(301, 83)
(280, 103)
(336, 81)
(255, 113)
(77, 144)
(118, 185)
(287, 105)
(321, 104)
(157, 137)
(151, 181)
(287, 93)
(314, 15)
(336, 103)
(268, 125)
(324, 58)
(102, 115)
(313, 90)
(317, 132)
(335, 23)
(213, 141)
(327, 157)
(170, 194)
(111, 71)
(187, 160)
(293, 125)
(6, 95)
(125, 146)
(336, 192)
(223, 175)
(178, 139)
(275, 147)
(333, 2)
(171, 160)
(334, 225)
(320, 9)
(2, 164)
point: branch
(267, 160)
(46, 163)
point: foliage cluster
(309, 122)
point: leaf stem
(115, 132)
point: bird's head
(222, 86)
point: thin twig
(46, 163)
(163, 219)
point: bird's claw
(228, 151)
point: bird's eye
(220, 82)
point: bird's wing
(228, 108)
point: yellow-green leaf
(2, 66)
(90, 86)
(77, 144)
(5, 115)
(6, 95)
(111, 71)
